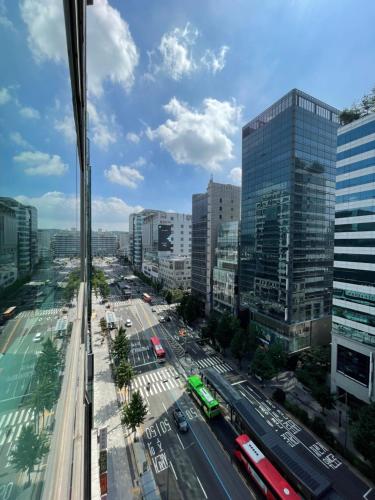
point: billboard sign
(165, 243)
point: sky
(170, 84)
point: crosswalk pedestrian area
(160, 381)
(11, 424)
(214, 362)
(38, 313)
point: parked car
(128, 323)
(180, 420)
(37, 337)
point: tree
(134, 413)
(124, 375)
(252, 338)
(29, 450)
(45, 396)
(227, 327)
(239, 345)
(49, 362)
(72, 286)
(277, 355)
(363, 433)
(209, 330)
(169, 297)
(261, 365)
(103, 324)
(322, 394)
(349, 115)
(121, 346)
(189, 308)
(279, 396)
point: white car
(128, 323)
(37, 337)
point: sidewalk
(106, 413)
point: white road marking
(182, 446)
(200, 484)
(174, 472)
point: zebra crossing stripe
(158, 386)
(1, 420)
(12, 433)
(8, 419)
(19, 432)
(21, 416)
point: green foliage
(189, 308)
(279, 396)
(252, 342)
(277, 356)
(29, 450)
(99, 283)
(124, 374)
(365, 107)
(363, 432)
(239, 345)
(322, 394)
(72, 286)
(103, 324)
(169, 297)
(209, 330)
(134, 413)
(121, 347)
(46, 384)
(261, 365)
(227, 327)
(300, 413)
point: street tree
(324, 397)
(363, 432)
(277, 356)
(121, 346)
(124, 375)
(29, 450)
(169, 297)
(209, 330)
(226, 329)
(49, 362)
(261, 365)
(44, 396)
(134, 413)
(238, 345)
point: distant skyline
(170, 85)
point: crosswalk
(11, 424)
(214, 362)
(160, 381)
(39, 313)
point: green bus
(203, 397)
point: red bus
(146, 297)
(268, 479)
(157, 348)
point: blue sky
(170, 85)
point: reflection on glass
(37, 291)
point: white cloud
(4, 20)
(61, 211)
(175, 50)
(123, 175)
(174, 55)
(139, 163)
(66, 127)
(4, 96)
(215, 62)
(111, 52)
(99, 127)
(28, 112)
(17, 138)
(199, 137)
(133, 137)
(236, 175)
(38, 163)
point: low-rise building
(175, 272)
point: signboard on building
(165, 243)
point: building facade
(287, 226)
(104, 244)
(353, 320)
(135, 239)
(225, 273)
(8, 246)
(175, 272)
(220, 203)
(27, 235)
(66, 244)
(164, 235)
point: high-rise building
(8, 246)
(287, 226)
(225, 273)
(135, 238)
(27, 235)
(103, 244)
(220, 203)
(67, 244)
(353, 320)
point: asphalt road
(186, 466)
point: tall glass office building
(287, 228)
(353, 326)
